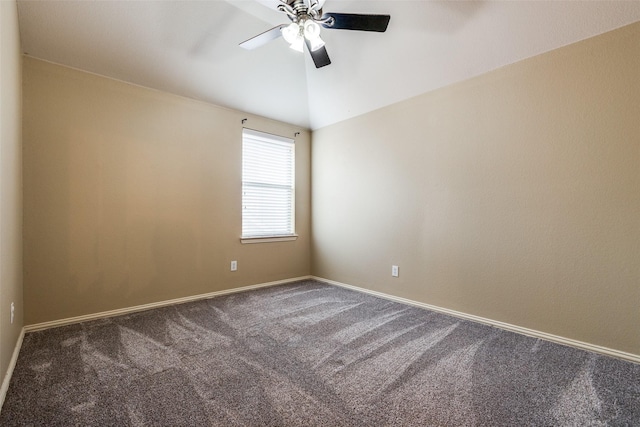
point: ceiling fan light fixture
(292, 34)
(311, 31)
(316, 43)
(297, 44)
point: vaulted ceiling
(190, 48)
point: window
(268, 192)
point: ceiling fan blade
(263, 38)
(320, 56)
(355, 21)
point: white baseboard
(502, 325)
(12, 364)
(127, 310)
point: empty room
(319, 213)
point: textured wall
(10, 182)
(133, 196)
(514, 196)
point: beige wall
(514, 196)
(10, 182)
(133, 196)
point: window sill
(269, 239)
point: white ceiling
(191, 48)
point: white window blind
(268, 175)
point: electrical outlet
(395, 271)
(12, 311)
(234, 265)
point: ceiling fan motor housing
(304, 10)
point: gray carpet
(310, 354)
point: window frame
(268, 138)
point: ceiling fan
(306, 19)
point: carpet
(310, 354)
